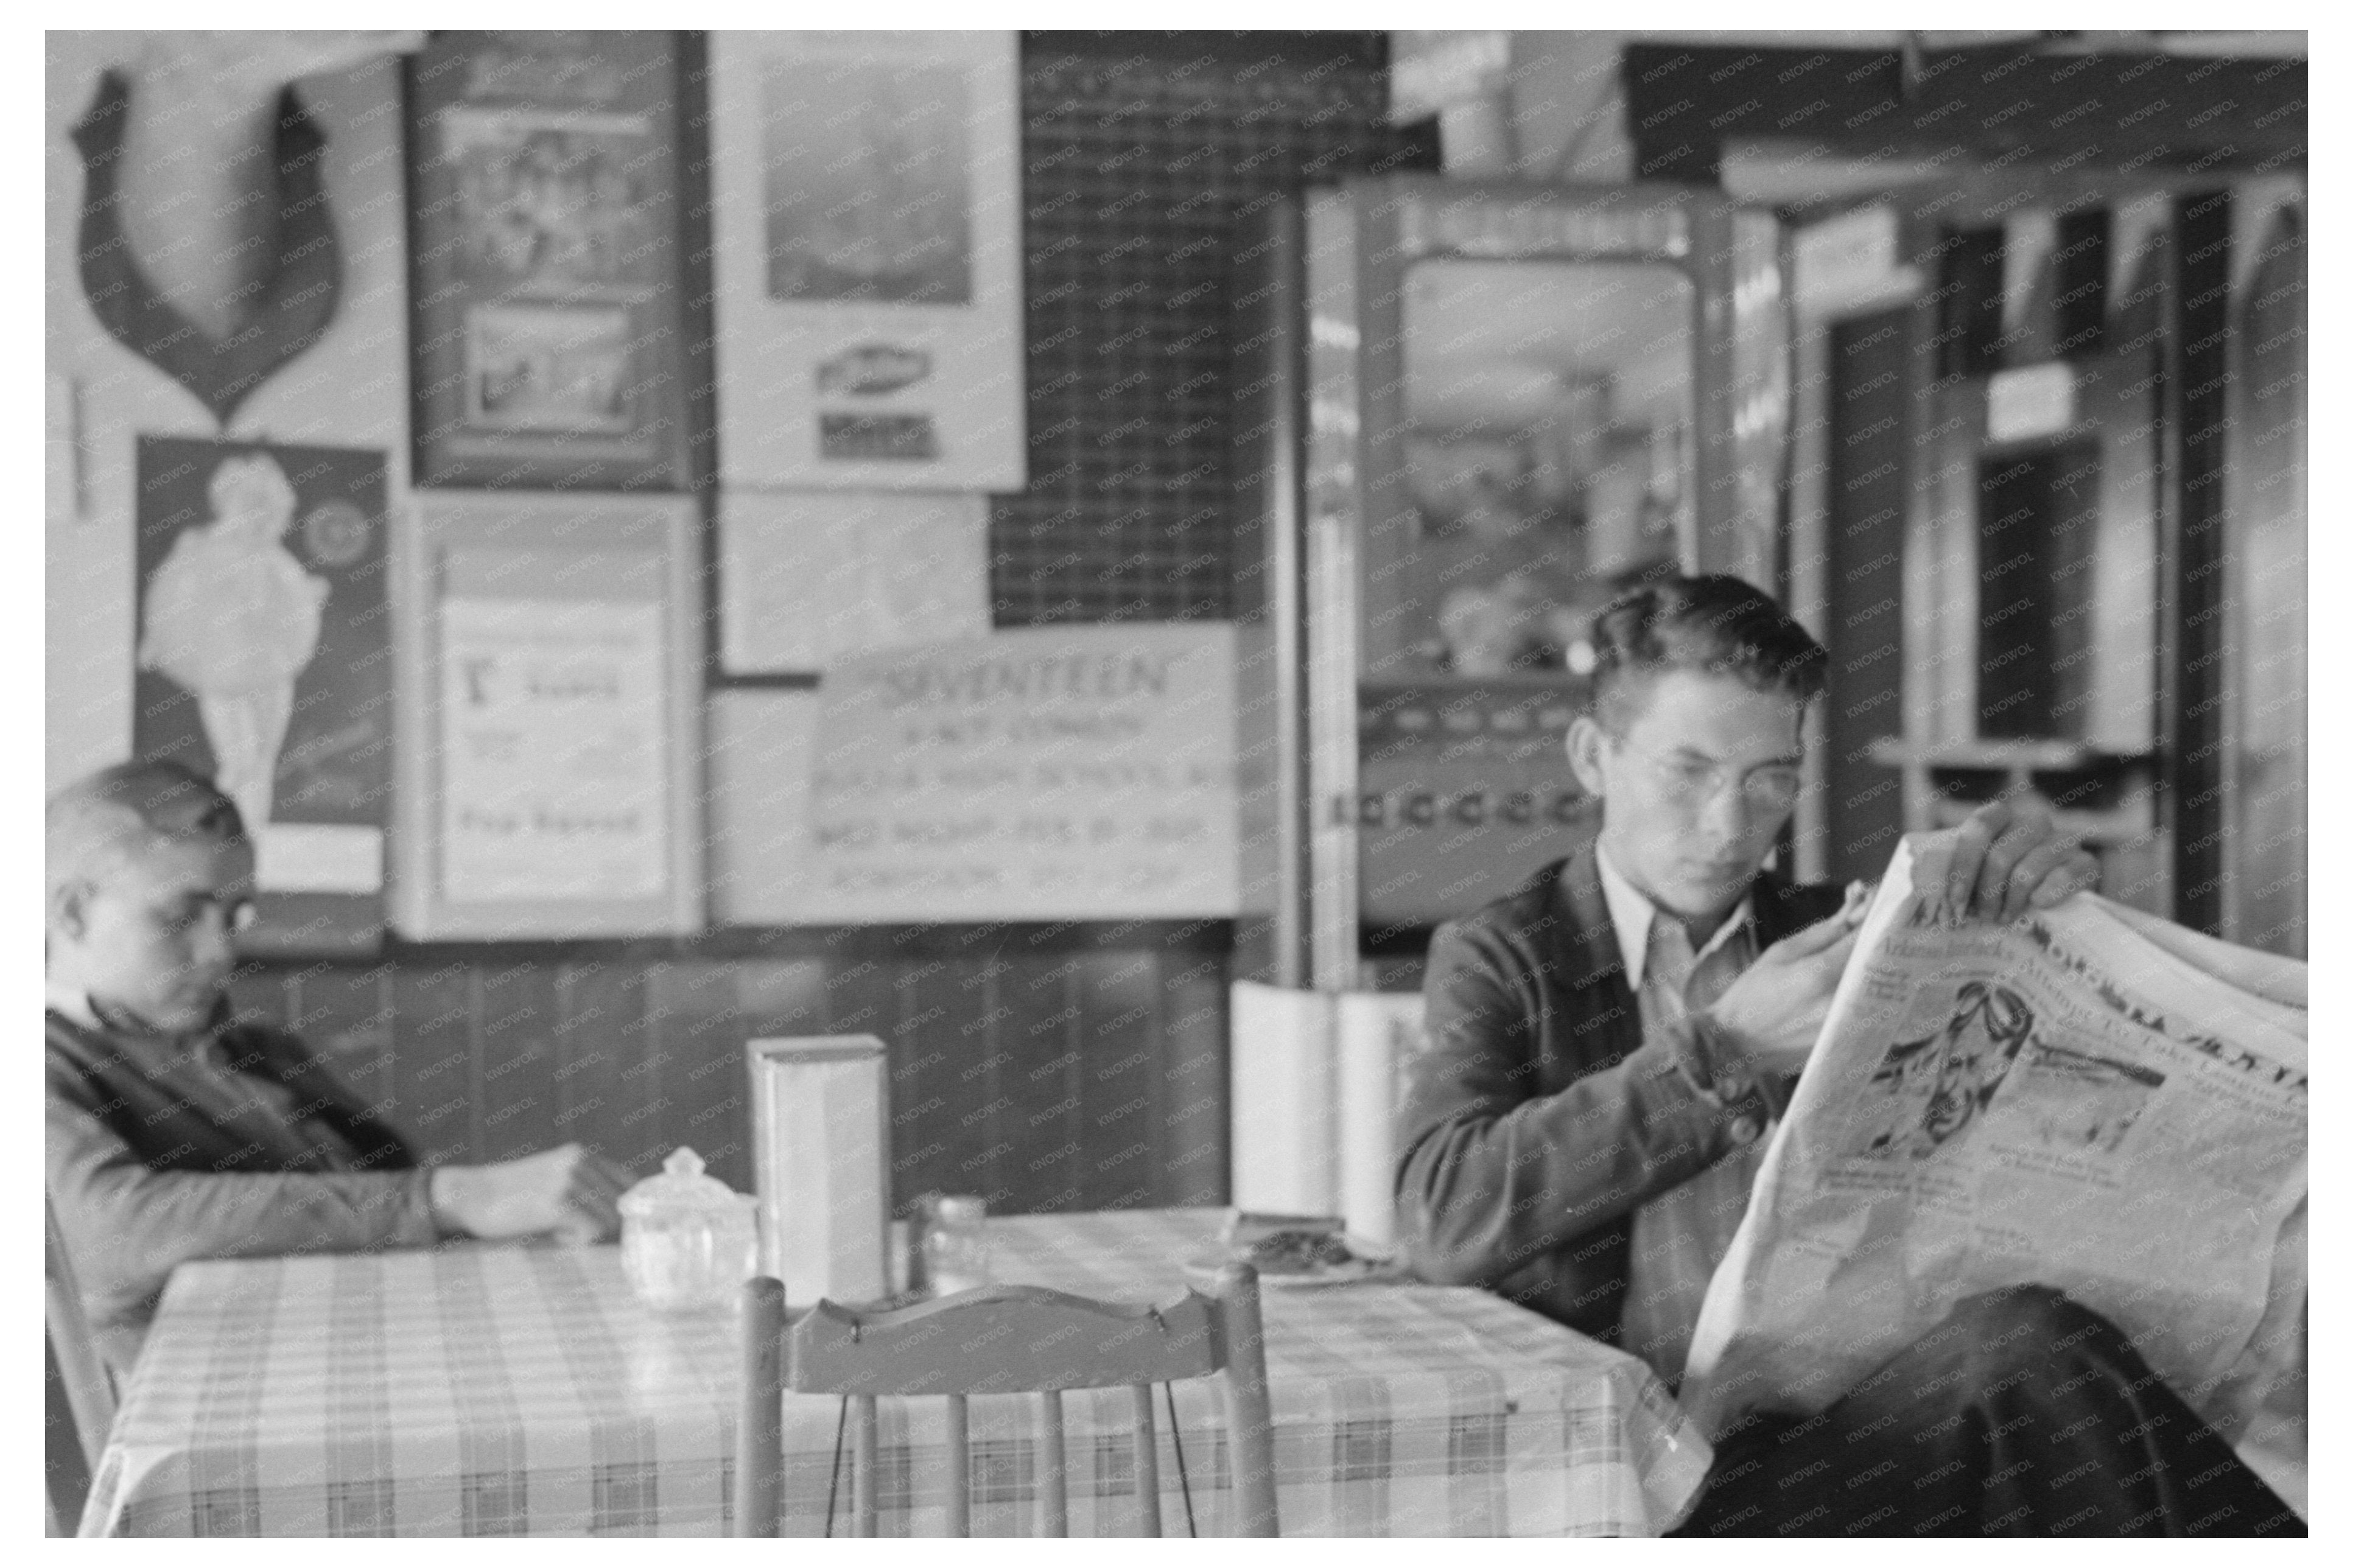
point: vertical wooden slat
(759, 1421)
(1249, 1415)
(516, 1060)
(705, 1104)
(1147, 1461)
(1053, 1475)
(939, 1034)
(432, 1052)
(863, 1447)
(1034, 1118)
(1192, 1045)
(959, 1470)
(1114, 993)
(600, 1028)
(345, 1022)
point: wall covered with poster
(549, 349)
(225, 257)
(867, 262)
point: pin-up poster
(263, 662)
(867, 226)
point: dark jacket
(152, 1162)
(1537, 1117)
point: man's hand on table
(2003, 863)
(569, 1192)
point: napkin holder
(820, 1140)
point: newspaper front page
(2088, 1098)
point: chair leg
(959, 1470)
(864, 1445)
(1053, 1477)
(1147, 1462)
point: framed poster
(1051, 772)
(261, 654)
(548, 343)
(810, 577)
(553, 654)
(867, 225)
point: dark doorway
(2036, 510)
(1870, 487)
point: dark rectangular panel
(2014, 529)
(1968, 303)
(2196, 410)
(1871, 468)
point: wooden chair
(1004, 1339)
(90, 1390)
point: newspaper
(2089, 1099)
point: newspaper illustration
(2091, 1099)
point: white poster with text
(553, 784)
(1057, 772)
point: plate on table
(1284, 1264)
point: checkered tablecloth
(505, 1391)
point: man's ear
(69, 914)
(1585, 742)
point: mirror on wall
(1548, 456)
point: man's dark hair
(1716, 624)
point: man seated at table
(175, 1132)
(1604, 1051)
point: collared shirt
(1680, 1235)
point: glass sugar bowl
(688, 1241)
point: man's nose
(211, 944)
(1723, 816)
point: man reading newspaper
(1607, 1048)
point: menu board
(1060, 773)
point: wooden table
(502, 1391)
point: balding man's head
(121, 810)
(149, 876)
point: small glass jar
(688, 1241)
(954, 1245)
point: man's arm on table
(1491, 1175)
(130, 1227)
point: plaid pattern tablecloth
(502, 1391)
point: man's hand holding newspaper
(2061, 1091)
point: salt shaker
(954, 1245)
(688, 1242)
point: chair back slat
(1148, 1463)
(1054, 1476)
(90, 1388)
(959, 1470)
(1015, 1339)
(864, 1447)
(1011, 1339)
(760, 1423)
(1249, 1413)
